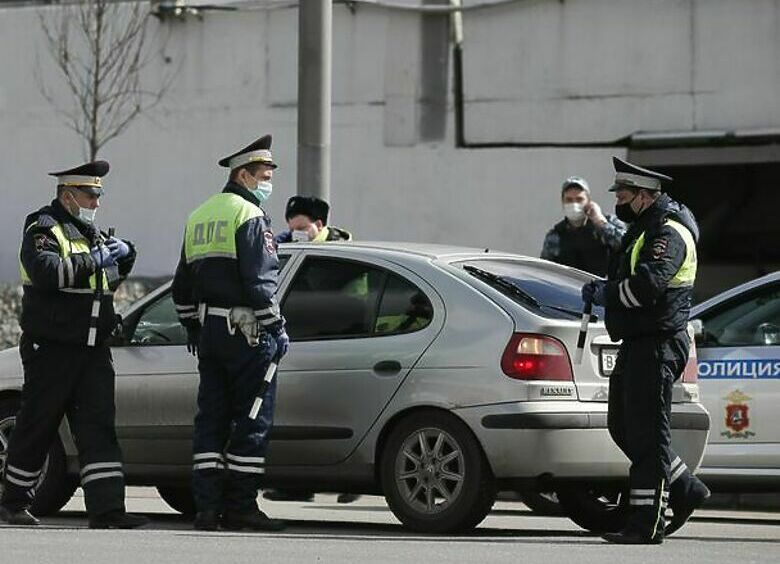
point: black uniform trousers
(229, 448)
(77, 381)
(640, 408)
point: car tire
(449, 487)
(599, 509)
(179, 498)
(542, 503)
(55, 487)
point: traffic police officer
(647, 297)
(69, 271)
(225, 295)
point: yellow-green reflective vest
(211, 229)
(67, 247)
(686, 275)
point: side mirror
(769, 333)
(698, 328)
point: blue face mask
(263, 190)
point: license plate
(607, 359)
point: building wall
(536, 71)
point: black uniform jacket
(653, 307)
(51, 310)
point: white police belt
(241, 318)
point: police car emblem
(737, 416)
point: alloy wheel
(429, 470)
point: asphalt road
(366, 531)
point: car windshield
(547, 289)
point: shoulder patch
(659, 247)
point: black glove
(595, 292)
(193, 341)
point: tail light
(536, 357)
(691, 372)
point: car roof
(698, 309)
(433, 251)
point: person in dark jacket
(69, 271)
(307, 221)
(647, 298)
(585, 238)
(224, 291)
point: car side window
(159, 325)
(332, 298)
(753, 320)
(404, 308)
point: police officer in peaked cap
(224, 290)
(69, 271)
(647, 297)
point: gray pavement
(366, 531)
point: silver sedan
(433, 375)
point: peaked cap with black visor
(632, 177)
(257, 152)
(87, 177)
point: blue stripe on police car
(740, 369)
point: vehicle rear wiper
(505, 284)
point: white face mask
(263, 190)
(574, 212)
(87, 215)
(300, 236)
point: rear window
(554, 288)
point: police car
(433, 375)
(738, 341)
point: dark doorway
(738, 210)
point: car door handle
(387, 368)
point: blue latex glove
(595, 292)
(119, 249)
(102, 256)
(282, 344)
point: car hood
(10, 364)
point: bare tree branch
(100, 49)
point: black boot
(254, 521)
(682, 509)
(206, 520)
(20, 517)
(117, 519)
(631, 535)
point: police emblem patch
(659, 248)
(269, 242)
(41, 241)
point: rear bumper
(569, 440)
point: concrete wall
(535, 70)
